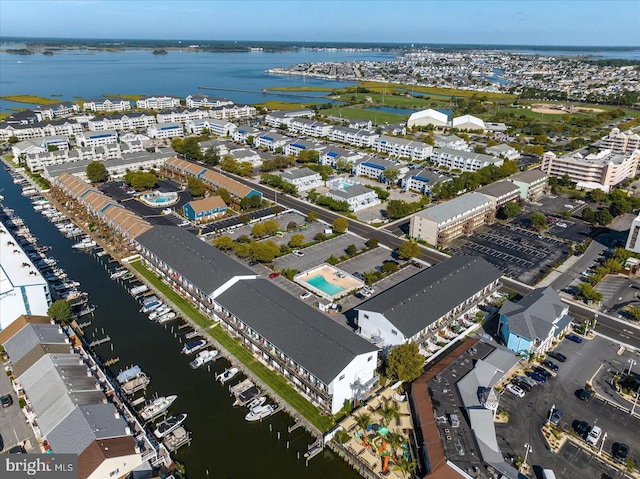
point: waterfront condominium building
(165, 130)
(325, 362)
(158, 102)
(107, 104)
(418, 306)
(98, 138)
(620, 143)
(402, 148)
(463, 160)
(23, 290)
(277, 118)
(69, 402)
(353, 136)
(441, 224)
(201, 100)
(601, 170)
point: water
(224, 445)
(73, 74)
(323, 285)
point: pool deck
(331, 275)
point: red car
(274, 275)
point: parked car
(542, 372)
(274, 275)
(527, 380)
(298, 253)
(556, 355)
(584, 394)
(594, 435)
(620, 451)
(582, 428)
(537, 377)
(550, 365)
(515, 390)
(6, 400)
(556, 416)
(521, 384)
(305, 295)
(574, 338)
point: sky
(495, 22)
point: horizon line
(354, 42)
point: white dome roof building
(468, 122)
(428, 117)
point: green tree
(96, 172)
(332, 260)
(60, 311)
(242, 250)
(271, 227)
(511, 209)
(224, 243)
(258, 230)
(635, 313)
(340, 225)
(372, 243)
(196, 187)
(211, 156)
(351, 250)
(291, 225)
(586, 291)
(538, 221)
(589, 215)
(296, 241)
(389, 267)
(408, 250)
(363, 420)
(140, 180)
(224, 194)
(250, 202)
(603, 217)
(343, 166)
(264, 251)
(312, 216)
(405, 466)
(389, 411)
(404, 362)
(391, 176)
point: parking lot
(14, 428)
(527, 415)
(522, 254)
(619, 293)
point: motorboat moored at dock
(193, 346)
(156, 407)
(166, 426)
(204, 357)
(227, 375)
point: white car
(305, 295)
(594, 435)
(516, 390)
(298, 253)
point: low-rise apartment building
(357, 137)
(122, 121)
(505, 151)
(59, 110)
(107, 104)
(24, 131)
(358, 196)
(302, 178)
(279, 118)
(232, 112)
(500, 192)
(99, 138)
(402, 148)
(271, 141)
(331, 155)
(373, 167)
(165, 130)
(297, 146)
(205, 209)
(201, 100)
(453, 142)
(532, 184)
(421, 180)
(441, 224)
(602, 170)
(308, 127)
(463, 160)
(158, 102)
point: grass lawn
(377, 117)
(284, 105)
(380, 87)
(273, 380)
(31, 99)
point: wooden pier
(98, 342)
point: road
(608, 326)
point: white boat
(118, 274)
(167, 316)
(171, 423)
(149, 307)
(259, 401)
(260, 412)
(194, 346)
(86, 243)
(227, 375)
(129, 373)
(204, 357)
(156, 407)
(158, 312)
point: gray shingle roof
(30, 336)
(528, 176)
(308, 337)
(351, 192)
(455, 207)
(499, 188)
(533, 316)
(203, 265)
(419, 301)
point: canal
(224, 445)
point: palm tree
(395, 440)
(389, 411)
(405, 466)
(363, 420)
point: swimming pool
(323, 285)
(157, 198)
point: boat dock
(98, 342)
(177, 438)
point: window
(113, 473)
(394, 332)
(341, 378)
(366, 316)
(369, 358)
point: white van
(594, 435)
(548, 474)
(455, 421)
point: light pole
(527, 450)
(553, 408)
(604, 436)
(631, 362)
(595, 321)
(634, 403)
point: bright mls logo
(50, 466)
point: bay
(224, 445)
(72, 74)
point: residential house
(206, 209)
(531, 325)
(505, 151)
(244, 155)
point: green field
(442, 92)
(31, 99)
(355, 113)
(271, 378)
(284, 105)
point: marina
(135, 341)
